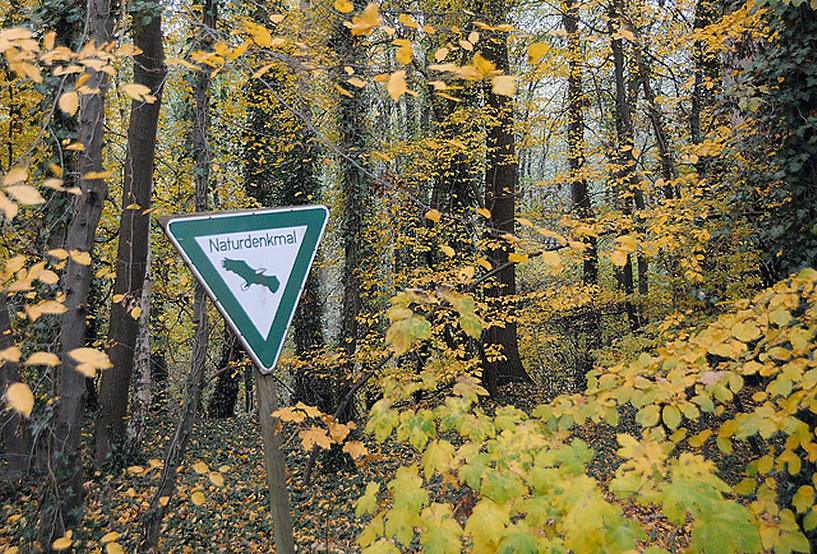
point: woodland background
(564, 302)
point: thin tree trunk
(626, 178)
(501, 180)
(225, 393)
(669, 171)
(152, 520)
(580, 198)
(177, 448)
(356, 207)
(140, 404)
(134, 233)
(16, 439)
(62, 502)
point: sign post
(253, 265)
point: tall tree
(62, 504)
(626, 179)
(14, 432)
(356, 195)
(134, 231)
(501, 179)
(579, 194)
(177, 448)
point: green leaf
(408, 490)
(803, 499)
(400, 524)
(367, 504)
(382, 546)
(671, 416)
(440, 531)
(500, 487)
(437, 457)
(487, 523)
(648, 416)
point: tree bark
(580, 198)
(152, 520)
(501, 179)
(140, 403)
(230, 369)
(16, 439)
(626, 178)
(62, 503)
(134, 233)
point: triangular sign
(253, 265)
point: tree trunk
(16, 439)
(152, 519)
(669, 171)
(706, 69)
(626, 178)
(501, 177)
(230, 368)
(140, 403)
(62, 503)
(134, 233)
(580, 198)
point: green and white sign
(253, 265)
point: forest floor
(234, 517)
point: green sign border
(183, 230)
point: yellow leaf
(93, 175)
(473, 37)
(114, 548)
(200, 468)
(163, 500)
(91, 357)
(9, 208)
(433, 215)
(343, 6)
(408, 21)
(484, 67)
(289, 414)
(16, 175)
(485, 264)
(537, 51)
(20, 398)
(62, 543)
(355, 449)
(338, 431)
(356, 82)
(136, 91)
(136, 312)
(404, 53)
(447, 250)
(397, 86)
(25, 194)
(197, 498)
(315, 436)
(551, 258)
(504, 85)
(59, 253)
(82, 258)
(440, 54)
(10, 354)
(517, 258)
(132, 470)
(484, 212)
(43, 358)
(216, 478)
(465, 45)
(69, 103)
(627, 34)
(619, 258)
(364, 23)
